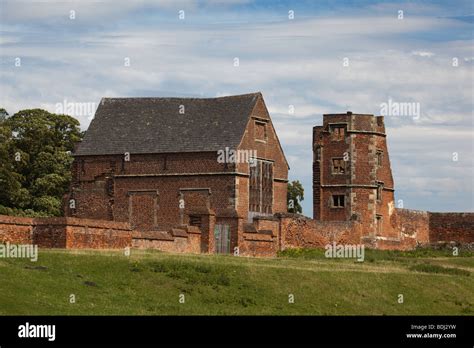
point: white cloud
(295, 63)
(423, 53)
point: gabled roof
(155, 125)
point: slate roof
(154, 125)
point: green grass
(150, 283)
(372, 255)
(430, 268)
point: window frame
(265, 131)
(379, 158)
(333, 201)
(263, 179)
(379, 191)
(338, 136)
(343, 167)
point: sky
(306, 57)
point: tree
(35, 155)
(3, 114)
(295, 195)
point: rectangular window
(261, 187)
(379, 191)
(338, 201)
(338, 132)
(338, 166)
(317, 154)
(379, 155)
(379, 224)
(260, 131)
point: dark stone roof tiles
(155, 125)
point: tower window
(378, 224)
(338, 201)
(379, 155)
(338, 133)
(379, 191)
(317, 154)
(338, 166)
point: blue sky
(295, 62)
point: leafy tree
(3, 114)
(35, 161)
(295, 195)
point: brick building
(167, 174)
(161, 163)
(352, 178)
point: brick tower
(352, 178)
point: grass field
(151, 282)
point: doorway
(222, 238)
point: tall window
(261, 187)
(317, 154)
(379, 191)
(338, 201)
(378, 227)
(338, 166)
(260, 131)
(378, 158)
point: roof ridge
(191, 98)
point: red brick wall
(451, 227)
(73, 233)
(167, 210)
(50, 236)
(16, 230)
(413, 224)
(100, 185)
(303, 232)
(269, 234)
(258, 245)
(188, 242)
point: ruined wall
(260, 238)
(258, 245)
(183, 240)
(73, 233)
(451, 227)
(16, 230)
(60, 232)
(414, 224)
(298, 231)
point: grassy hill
(151, 282)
